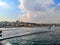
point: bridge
(25, 24)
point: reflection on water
(52, 37)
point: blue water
(44, 36)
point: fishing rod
(25, 35)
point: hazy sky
(9, 10)
(40, 11)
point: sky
(9, 10)
(38, 11)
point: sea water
(44, 36)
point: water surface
(43, 35)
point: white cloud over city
(40, 11)
(4, 5)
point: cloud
(4, 5)
(57, 9)
(39, 11)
